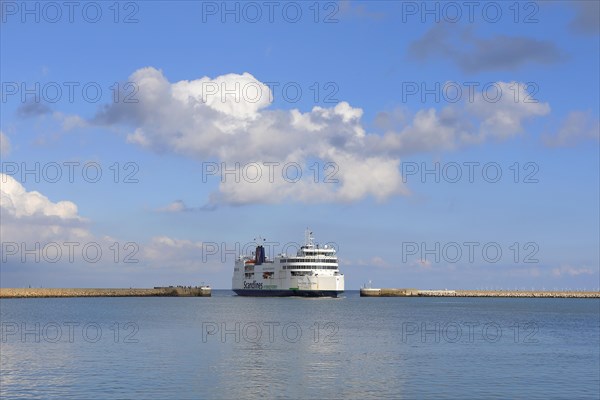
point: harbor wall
(68, 292)
(388, 292)
(391, 292)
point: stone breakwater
(390, 292)
(54, 292)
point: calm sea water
(229, 347)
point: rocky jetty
(389, 292)
(517, 293)
(202, 291)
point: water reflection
(347, 348)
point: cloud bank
(587, 17)
(229, 119)
(31, 215)
(577, 127)
(473, 54)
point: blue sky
(378, 100)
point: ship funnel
(259, 255)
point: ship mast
(308, 238)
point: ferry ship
(312, 272)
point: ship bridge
(316, 251)
(310, 256)
(310, 249)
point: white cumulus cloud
(179, 255)
(31, 216)
(572, 271)
(4, 145)
(229, 118)
(577, 127)
(497, 113)
(505, 117)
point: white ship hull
(288, 293)
(308, 286)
